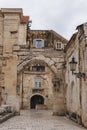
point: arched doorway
(36, 99)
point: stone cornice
(12, 11)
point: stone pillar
(11, 82)
(11, 23)
(58, 106)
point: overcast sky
(60, 15)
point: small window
(38, 82)
(38, 43)
(58, 45)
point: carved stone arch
(50, 63)
(37, 94)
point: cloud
(61, 15)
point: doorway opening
(35, 100)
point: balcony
(37, 90)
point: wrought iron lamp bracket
(79, 75)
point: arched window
(38, 82)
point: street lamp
(73, 64)
(29, 23)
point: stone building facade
(76, 83)
(40, 70)
(35, 67)
(31, 64)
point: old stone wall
(22, 49)
(72, 82)
(51, 65)
(22, 34)
(83, 69)
(29, 88)
(9, 25)
(19, 50)
(53, 61)
(76, 96)
(11, 28)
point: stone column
(58, 106)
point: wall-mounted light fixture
(28, 32)
(29, 23)
(73, 64)
(56, 83)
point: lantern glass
(73, 64)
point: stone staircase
(6, 112)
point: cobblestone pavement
(39, 120)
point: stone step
(6, 117)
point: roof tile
(24, 19)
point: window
(38, 82)
(58, 45)
(38, 43)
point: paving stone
(39, 120)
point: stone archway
(35, 100)
(50, 63)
